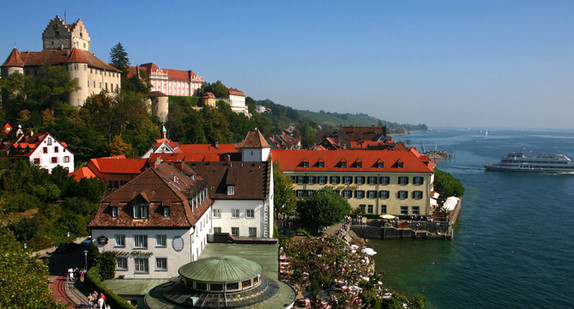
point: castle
(67, 45)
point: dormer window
(399, 164)
(166, 212)
(343, 164)
(359, 164)
(114, 210)
(306, 164)
(230, 190)
(321, 164)
(141, 211)
(380, 164)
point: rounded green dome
(221, 269)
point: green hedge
(94, 282)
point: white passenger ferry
(519, 162)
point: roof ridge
(13, 59)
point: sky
(479, 64)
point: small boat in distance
(546, 163)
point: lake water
(514, 240)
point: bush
(107, 264)
(447, 185)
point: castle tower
(14, 64)
(254, 147)
(58, 35)
(160, 105)
(78, 70)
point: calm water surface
(514, 241)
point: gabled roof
(250, 179)
(14, 59)
(82, 172)
(162, 186)
(254, 139)
(177, 75)
(54, 56)
(413, 161)
(27, 145)
(116, 165)
(233, 91)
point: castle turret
(160, 105)
(78, 67)
(14, 64)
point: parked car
(86, 242)
(66, 247)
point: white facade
(255, 154)
(237, 103)
(51, 153)
(154, 253)
(240, 218)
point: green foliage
(322, 208)
(218, 89)
(94, 283)
(24, 278)
(119, 58)
(107, 265)
(284, 195)
(190, 101)
(447, 185)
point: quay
(437, 228)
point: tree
(284, 199)
(119, 58)
(447, 185)
(24, 278)
(322, 208)
(218, 89)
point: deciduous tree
(284, 195)
(322, 208)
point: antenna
(64, 16)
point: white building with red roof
(170, 81)
(237, 101)
(43, 150)
(67, 45)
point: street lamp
(86, 259)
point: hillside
(327, 119)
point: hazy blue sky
(479, 64)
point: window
(45, 150)
(383, 209)
(300, 193)
(120, 240)
(216, 213)
(335, 180)
(142, 265)
(370, 209)
(362, 208)
(140, 211)
(235, 231)
(384, 180)
(372, 194)
(49, 141)
(217, 230)
(311, 180)
(140, 241)
(403, 194)
(384, 194)
(37, 161)
(160, 263)
(66, 159)
(344, 164)
(252, 232)
(360, 180)
(250, 213)
(54, 160)
(122, 263)
(359, 194)
(418, 180)
(305, 163)
(56, 149)
(347, 193)
(359, 164)
(347, 180)
(338, 192)
(321, 164)
(114, 210)
(404, 210)
(235, 213)
(322, 180)
(403, 180)
(166, 212)
(417, 195)
(380, 164)
(416, 210)
(300, 180)
(230, 190)
(161, 240)
(372, 180)
(399, 165)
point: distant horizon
(477, 64)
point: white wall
(46, 158)
(226, 222)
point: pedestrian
(71, 273)
(101, 303)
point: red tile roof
(165, 185)
(26, 145)
(233, 91)
(82, 172)
(179, 75)
(14, 59)
(414, 162)
(53, 56)
(254, 139)
(116, 165)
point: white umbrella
(387, 216)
